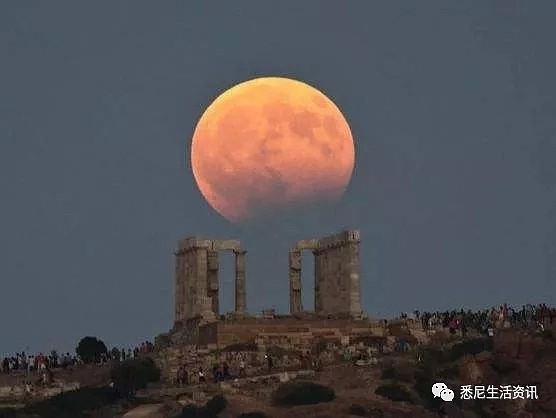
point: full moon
(269, 144)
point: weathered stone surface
(197, 285)
(470, 371)
(337, 281)
(229, 244)
(198, 346)
(146, 411)
(295, 281)
(240, 285)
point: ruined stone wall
(196, 346)
(337, 288)
(212, 280)
(296, 304)
(291, 333)
(197, 284)
(185, 292)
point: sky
(451, 105)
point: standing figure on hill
(268, 358)
(216, 373)
(225, 371)
(242, 372)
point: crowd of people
(36, 362)
(233, 366)
(122, 354)
(483, 321)
(40, 362)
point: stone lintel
(193, 243)
(223, 245)
(338, 240)
(306, 244)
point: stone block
(193, 242)
(307, 244)
(228, 244)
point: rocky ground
(511, 357)
(85, 375)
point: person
(242, 372)
(268, 362)
(225, 371)
(201, 375)
(215, 373)
(179, 376)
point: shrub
(301, 392)
(449, 372)
(423, 385)
(394, 392)
(401, 373)
(8, 412)
(90, 349)
(217, 404)
(132, 375)
(431, 360)
(192, 411)
(254, 414)
(73, 403)
(162, 341)
(504, 366)
(547, 334)
(356, 409)
(388, 372)
(471, 347)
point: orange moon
(270, 143)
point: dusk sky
(452, 106)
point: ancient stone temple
(337, 289)
(336, 283)
(197, 285)
(198, 327)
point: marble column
(179, 292)
(203, 302)
(353, 271)
(295, 281)
(212, 278)
(240, 285)
(319, 260)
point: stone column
(295, 281)
(319, 259)
(179, 292)
(240, 285)
(354, 281)
(213, 284)
(203, 303)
